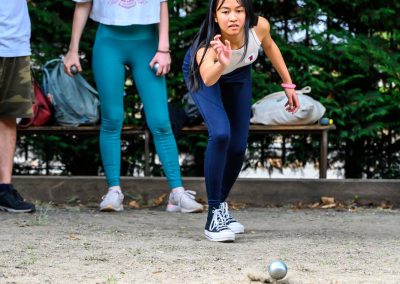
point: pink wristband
(288, 86)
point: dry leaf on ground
(327, 200)
(73, 237)
(134, 204)
(159, 200)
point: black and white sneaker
(216, 229)
(232, 224)
(12, 201)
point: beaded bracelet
(164, 51)
(288, 86)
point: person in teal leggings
(112, 51)
(128, 41)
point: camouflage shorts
(16, 92)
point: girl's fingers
(219, 52)
(289, 104)
(217, 37)
(163, 69)
(217, 48)
(166, 69)
(152, 62)
(68, 65)
(296, 104)
(215, 43)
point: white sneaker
(232, 224)
(112, 201)
(181, 200)
(216, 229)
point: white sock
(177, 189)
(115, 187)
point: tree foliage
(348, 52)
(352, 64)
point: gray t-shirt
(251, 54)
(15, 28)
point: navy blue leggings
(225, 107)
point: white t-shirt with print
(125, 12)
(15, 28)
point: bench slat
(83, 129)
(260, 128)
(89, 129)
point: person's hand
(70, 59)
(223, 51)
(292, 105)
(164, 63)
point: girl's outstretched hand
(223, 51)
(292, 104)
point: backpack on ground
(75, 102)
(193, 116)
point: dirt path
(150, 246)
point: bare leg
(8, 138)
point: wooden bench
(321, 130)
(91, 130)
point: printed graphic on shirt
(127, 3)
(250, 58)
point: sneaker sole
(173, 208)
(11, 210)
(177, 208)
(236, 230)
(227, 238)
(110, 208)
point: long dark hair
(208, 29)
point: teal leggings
(135, 46)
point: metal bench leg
(323, 159)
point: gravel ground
(81, 245)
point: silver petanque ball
(155, 67)
(74, 70)
(277, 269)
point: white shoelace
(218, 221)
(225, 213)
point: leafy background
(347, 51)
